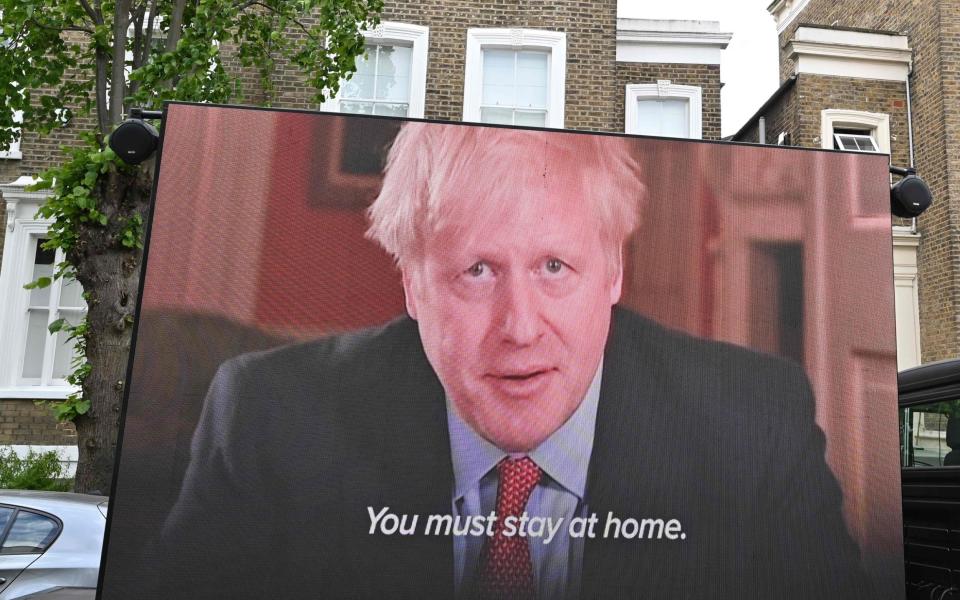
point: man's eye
(478, 269)
(554, 266)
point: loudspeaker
(134, 141)
(909, 197)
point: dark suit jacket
(295, 443)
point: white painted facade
(843, 53)
(670, 41)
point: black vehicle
(929, 399)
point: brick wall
(9, 169)
(798, 111)
(24, 422)
(707, 77)
(946, 229)
(933, 30)
(781, 116)
(819, 92)
(892, 16)
(591, 98)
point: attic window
(857, 141)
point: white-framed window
(391, 76)
(854, 130)
(858, 140)
(664, 109)
(33, 362)
(13, 150)
(515, 77)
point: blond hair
(426, 158)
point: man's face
(513, 302)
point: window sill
(16, 155)
(36, 393)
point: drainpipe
(913, 221)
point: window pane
(498, 77)
(393, 73)
(648, 117)
(532, 79)
(530, 118)
(865, 144)
(42, 267)
(362, 82)
(71, 294)
(856, 141)
(5, 514)
(359, 108)
(668, 117)
(64, 351)
(512, 78)
(843, 142)
(676, 122)
(383, 75)
(930, 435)
(502, 116)
(36, 337)
(390, 110)
(31, 534)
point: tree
(68, 60)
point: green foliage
(36, 471)
(74, 203)
(66, 48)
(41, 282)
(61, 59)
(131, 235)
(74, 404)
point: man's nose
(521, 320)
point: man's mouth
(525, 382)
(523, 375)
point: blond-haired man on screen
(514, 387)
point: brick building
(882, 76)
(561, 64)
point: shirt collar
(564, 456)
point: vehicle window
(31, 534)
(930, 434)
(5, 514)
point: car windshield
(930, 434)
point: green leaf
(41, 282)
(58, 325)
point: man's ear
(409, 292)
(616, 284)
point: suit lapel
(626, 452)
(416, 473)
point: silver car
(49, 541)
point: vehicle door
(24, 536)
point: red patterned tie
(506, 571)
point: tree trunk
(110, 275)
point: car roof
(50, 501)
(929, 374)
(933, 381)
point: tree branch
(103, 120)
(148, 44)
(118, 79)
(137, 27)
(59, 29)
(94, 14)
(299, 23)
(176, 24)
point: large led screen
(380, 358)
